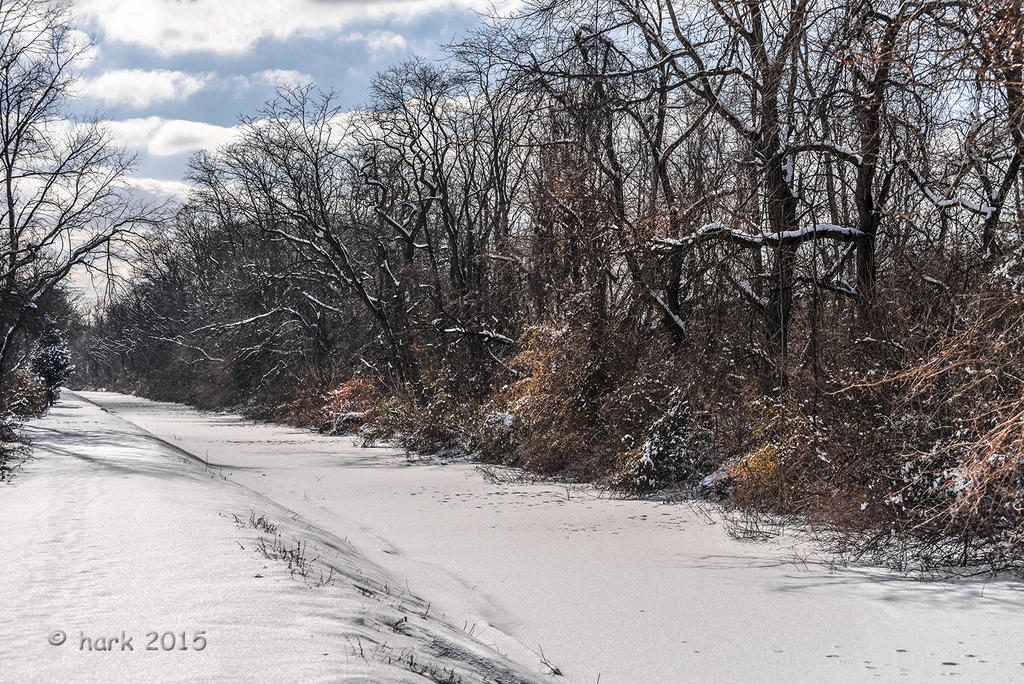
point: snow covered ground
(628, 591)
(109, 532)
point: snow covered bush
(12, 450)
(23, 396)
(679, 450)
(52, 363)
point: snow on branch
(789, 238)
(760, 303)
(235, 324)
(185, 345)
(486, 334)
(668, 311)
(944, 203)
(837, 150)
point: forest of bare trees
(65, 206)
(774, 247)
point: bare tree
(65, 202)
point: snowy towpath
(110, 532)
(628, 591)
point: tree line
(622, 238)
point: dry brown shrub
(346, 405)
(624, 408)
(911, 452)
(962, 475)
(433, 417)
(323, 399)
(548, 420)
(817, 465)
(306, 397)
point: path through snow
(109, 530)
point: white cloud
(159, 188)
(141, 88)
(385, 41)
(378, 42)
(166, 137)
(235, 26)
(88, 51)
(282, 77)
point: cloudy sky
(172, 76)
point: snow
(847, 152)
(668, 311)
(748, 292)
(108, 531)
(794, 237)
(949, 202)
(486, 334)
(628, 590)
(646, 459)
(824, 230)
(111, 529)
